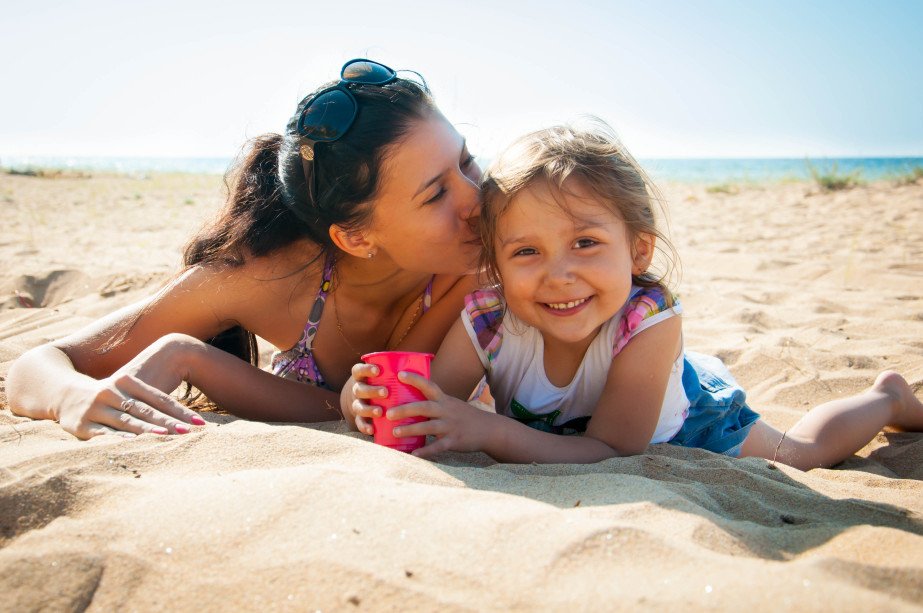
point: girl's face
(425, 216)
(565, 260)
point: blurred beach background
(787, 138)
(701, 91)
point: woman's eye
(471, 169)
(438, 196)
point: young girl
(579, 334)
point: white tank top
(516, 372)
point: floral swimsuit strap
(305, 361)
(428, 295)
(304, 364)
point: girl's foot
(908, 410)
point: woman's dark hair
(269, 205)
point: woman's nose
(470, 200)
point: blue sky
(676, 79)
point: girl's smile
(567, 308)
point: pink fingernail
(159, 430)
(198, 420)
(181, 428)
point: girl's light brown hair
(595, 157)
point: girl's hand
(355, 411)
(134, 399)
(457, 425)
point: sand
(806, 295)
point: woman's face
(424, 217)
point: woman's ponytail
(253, 222)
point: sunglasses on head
(332, 112)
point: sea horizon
(682, 170)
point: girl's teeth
(561, 306)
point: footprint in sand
(53, 288)
(911, 268)
(758, 320)
(774, 264)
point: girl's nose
(561, 272)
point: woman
(358, 221)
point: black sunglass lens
(328, 116)
(367, 72)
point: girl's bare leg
(833, 431)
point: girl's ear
(642, 253)
(352, 242)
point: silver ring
(127, 405)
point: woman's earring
(371, 255)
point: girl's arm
(460, 426)
(82, 382)
(623, 422)
(457, 368)
(628, 410)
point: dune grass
(910, 177)
(723, 188)
(833, 180)
(47, 173)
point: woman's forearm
(249, 392)
(40, 381)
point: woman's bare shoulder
(260, 287)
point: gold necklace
(336, 313)
(413, 320)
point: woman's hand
(136, 398)
(456, 424)
(356, 412)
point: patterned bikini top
(298, 362)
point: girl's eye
(438, 196)
(524, 251)
(468, 161)
(583, 243)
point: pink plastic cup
(390, 363)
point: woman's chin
(463, 271)
(461, 266)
